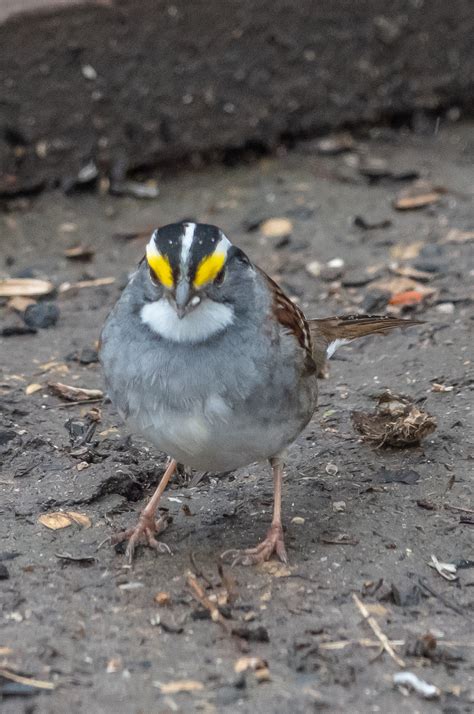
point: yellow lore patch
(160, 266)
(208, 269)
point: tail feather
(329, 333)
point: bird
(206, 357)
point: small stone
(339, 506)
(4, 574)
(331, 469)
(276, 228)
(298, 520)
(336, 263)
(42, 314)
(446, 308)
(314, 268)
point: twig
(449, 507)
(375, 627)
(197, 570)
(74, 404)
(29, 681)
(363, 642)
(198, 594)
(440, 597)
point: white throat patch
(207, 319)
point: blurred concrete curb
(128, 83)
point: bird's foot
(146, 529)
(272, 543)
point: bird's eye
(219, 279)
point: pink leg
(273, 541)
(147, 526)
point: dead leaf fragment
(395, 422)
(74, 394)
(32, 388)
(276, 228)
(180, 685)
(59, 519)
(80, 518)
(25, 287)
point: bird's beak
(181, 299)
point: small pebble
(4, 574)
(447, 308)
(314, 268)
(298, 520)
(339, 506)
(331, 469)
(42, 314)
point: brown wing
(329, 330)
(291, 318)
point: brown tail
(328, 333)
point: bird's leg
(273, 541)
(147, 526)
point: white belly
(214, 439)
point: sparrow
(207, 358)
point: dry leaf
(180, 685)
(32, 388)
(276, 227)
(80, 518)
(25, 287)
(20, 303)
(57, 520)
(74, 394)
(395, 422)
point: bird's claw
(272, 543)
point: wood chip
(406, 252)
(276, 227)
(25, 287)
(418, 195)
(79, 252)
(253, 663)
(59, 519)
(74, 394)
(180, 685)
(457, 236)
(97, 282)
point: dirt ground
(80, 618)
